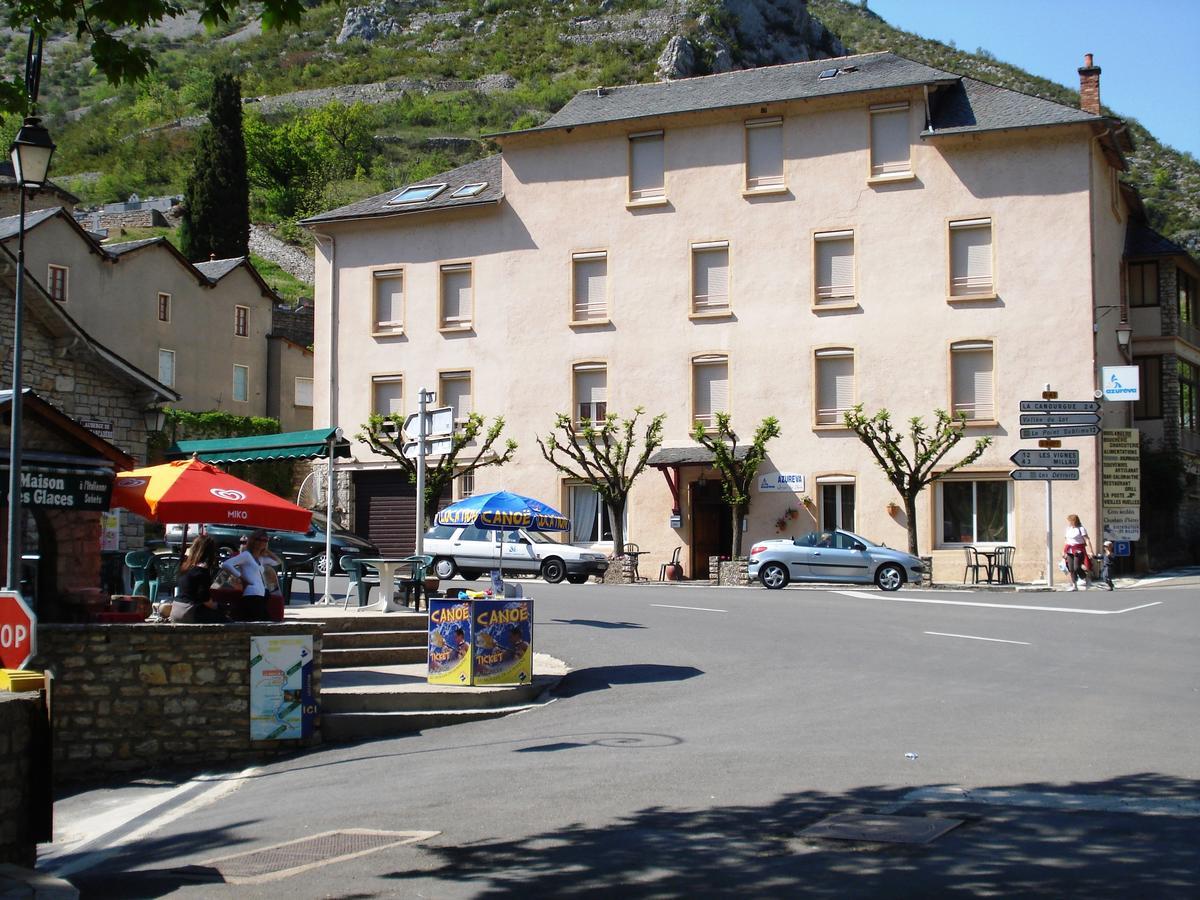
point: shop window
(974, 512)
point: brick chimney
(1089, 86)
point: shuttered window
(304, 392)
(890, 140)
(164, 307)
(241, 383)
(710, 388)
(591, 392)
(387, 395)
(971, 257)
(454, 390)
(166, 367)
(646, 166)
(835, 384)
(456, 296)
(57, 282)
(764, 154)
(834, 266)
(710, 277)
(972, 380)
(241, 321)
(589, 277)
(389, 301)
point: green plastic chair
(414, 583)
(138, 562)
(167, 565)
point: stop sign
(18, 631)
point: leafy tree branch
(737, 475)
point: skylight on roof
(827, 73)
(418, 193)
(470, 190)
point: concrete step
(344, 727)
(346, 640)
(419, 696)
(335, 619)
(373, 656)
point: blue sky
(1148, 51)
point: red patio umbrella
(188, 490)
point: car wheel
(773, 576)
(320, 567)
(889, 578)
(577, 579)
(553, 570)
(444, 568)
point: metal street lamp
(31, 152)
(154, 418)
(1124, 334)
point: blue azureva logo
(1115, 386)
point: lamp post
(31, 151)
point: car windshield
(539, 538)
(836, 540)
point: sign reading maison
(89, 492)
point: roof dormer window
(417, 194)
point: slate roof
(1142, 240)
(129, 246)
(690, 456)
(974, 106)
(216, 269)
(487, 169)
(10, 225)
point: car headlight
(593, 556)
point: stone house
(785, 241)
(47, 196)
(83, 421)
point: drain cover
(882, 829)
(282, 860)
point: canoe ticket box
(481, 642)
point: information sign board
(1059, 431)
(1046, 459)
(1060, 419)
(1057, 406)
(1044, 474)
(1120, 494)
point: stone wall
(139, 697)
(24, 798)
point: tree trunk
(616, 515)
(738, 513)
(910, 513)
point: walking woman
(1077, 551)
(247, 568)
(193, 602)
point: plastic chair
(414, 584)
(167, 565)
(633, 552)
(1003, 566)
(358, 580)
(974, 564)
(138, 562)
(669, 566)
(303, 569)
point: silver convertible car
(837, 556)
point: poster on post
(282, 706)
(449, 641)
(503, 641)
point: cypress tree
(216, 218)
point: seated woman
(193, 602)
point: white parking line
(863, 595)
(971, 637)
(696, 608)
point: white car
(469, 551)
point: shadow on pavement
(601, 678)
(759, 851)
(592, 623)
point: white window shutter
(835, 267)
(764, 156)
(389, 299)
(456, 296)
(973, 392)
(971, 251)
(456, 393)
(890, 142)
(389, 396)
(835, 385)
(591, 289)
(646, 167)
(591, 386)
(712, 390)
(711, 280)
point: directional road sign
(433, 447)
(18, 631)
(1060, 419)
(1046, 459)
(1059, 431)
(1044, 474)
(1059, 406)
(437, 421)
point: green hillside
(427, 110)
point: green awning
(290, 445)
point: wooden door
(712, 529)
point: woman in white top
(247, 569)
(1077, 547)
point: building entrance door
(712, 527)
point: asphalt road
(703, 729)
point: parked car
(469, 551)
(295, 544)
(832, 556)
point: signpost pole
(1049, 534)
(424, 397)
(327, 597)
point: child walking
(1106, 561)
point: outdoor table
(989, 555)
(387, 568)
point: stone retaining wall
(138, 697)
(24, 798)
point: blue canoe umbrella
(503, 511)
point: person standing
(1106, 563)
(247, 569)
(193, 602)
(1077, 548)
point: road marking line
(696, 608)
(971, 637)
(863, 595)
(212, 788)
(1050, 800)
